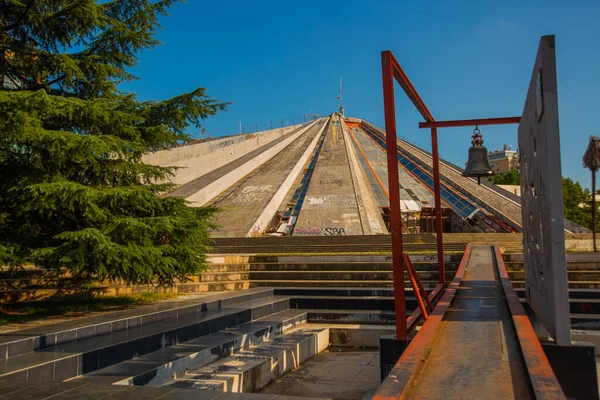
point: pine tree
(74, 194)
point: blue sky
(468, 59)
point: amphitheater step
(336, 283)
(166, 364)
(371, 317)
(30, 340)
(93, 353)
(251, 370)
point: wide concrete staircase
(169, 348)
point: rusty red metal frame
(415, 317)
(542, 377)
(391, 70)
(414, 278)
(393, 386)
(417, 284)
(470, 122)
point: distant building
(503, 160)
(514, 189)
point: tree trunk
(594, 208)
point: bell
(478, 164)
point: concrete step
(343, 303)
(321, 267)
(586, 322)
(572, 276)
(571, 266)
(246, 267)
(251, 370)
(337, 258)
(519, 284)
(157, 368)
(570, 256)
(282, 248)
(362, 317)
(93, 353)
(294, 276)
(30, 340)
(573, 293)
(338, 291)
(429, 284)
(221, 277)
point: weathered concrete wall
(199, 159)
(330, 207)
(265, 217)
(209, 192)
(370, 215)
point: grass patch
(73, 304)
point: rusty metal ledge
(543, 380)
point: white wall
(199, 159)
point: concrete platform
(339, 375)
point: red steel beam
(437, 193)
(408, 87)
(414, 318)
(542, 377)
(469, 122)
(394, 186)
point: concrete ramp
(330, 207)
(245, 200)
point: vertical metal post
(438, 206)
(395, 220)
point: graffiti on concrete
(226, 143)
(248, 198)
(258, 189)
(341, 201)
(252, 194)
(316, 200)
(307, 231)
(334, 232)
(329, 179)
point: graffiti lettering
(249, 197)
(332, 181)
(259, 189)
(316, 200)
(307, 231)
(226, 143)
(334, 232)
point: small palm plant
(591, 160)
